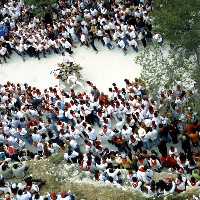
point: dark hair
(37, 196)
(153, 186)
(160, 185)
(15, 166)
(110, 179)
(2, 182)
(134, 179)
(4, 167)
(20, 192)
(179, 177)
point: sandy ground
(103, 69)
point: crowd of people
(124, 24)
(29, 190)
(122, 138)
(104, 134)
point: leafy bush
(56, 159)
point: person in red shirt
(168, 161)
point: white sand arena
(103, 69)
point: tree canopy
(41, 7)
(178, 21)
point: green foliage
(56, 159)
(40, 3)
(41, 7)
(178, 21)
(65, 70)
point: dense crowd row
(124, 24)
(29, 189)
(104, 134)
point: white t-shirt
(121, 44)
(67, 45)
(83, 38)
(92, 135)
(141, 132)
(3, 51)
(25, 196)
(133, 43)
(36, 137)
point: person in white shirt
(141, 131)
(40, 49)
(133, 43)
(73, 80)
(173, 151)
(84, 40)
(147, 140)
(136, 184)
(154, 163)
(158, 38)
(121, 44)
(71, 156)
(56, 46)
(23, 195)
(134, 142)
(107, 41)
(193, 183)
(36, 137)
(19, 171)
(67, 46)
(180, 183)
(67, 58)
(170, 186)
(154, 135)
(40, 148)
(20, 50)
(99, 35)
(3, 53)
(126, 132)
(92, 134)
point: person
(142, 38)
(84, 40)
(34, 33)
(107, 42)
(170, 186)
(20, 50)
(5, 170)
(185, 143)
(19, 171)
(91, 42)
(136, 184)
(180, 184)
(4, 53)
(133, 43)
(121, 44)
(158, 38)
(67, 58)
(57, 118)
(67, 46)
(73, 80)
(100, 35)
(162, 148)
